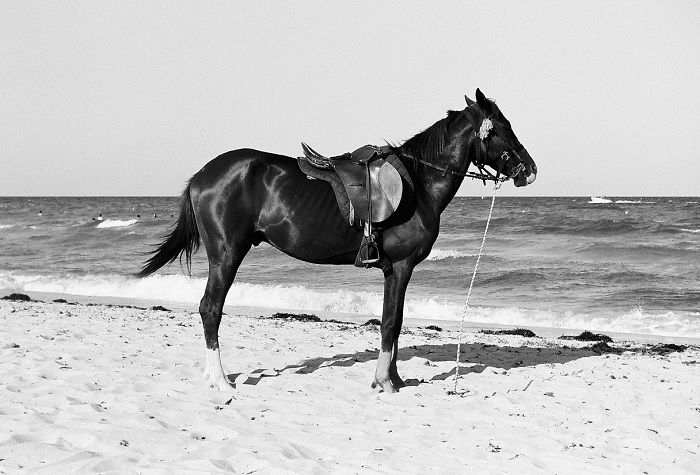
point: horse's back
(266, 195)
(244, 162)
(250, 177)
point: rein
(483, 173)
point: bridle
(483, 174)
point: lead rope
(496, 186)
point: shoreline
(356, 318)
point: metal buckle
(518, 169)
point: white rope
(496, 186)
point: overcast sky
(132, 98)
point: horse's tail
(183, 238)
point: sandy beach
(104, 388)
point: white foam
(178, 288)
(6, 226)
(599, 200)
(116, 223)
(690, 230)
(440, 254)
(633, 321)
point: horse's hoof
(398, 382)
(221, 385)
(385, 386)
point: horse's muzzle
(525, 173)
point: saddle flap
(386, 188)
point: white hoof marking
(214, 372)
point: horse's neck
(440, 188)
(444, 190)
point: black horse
(245, 197)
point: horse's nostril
(534, 168)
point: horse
(244, 197)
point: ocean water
(618, 264)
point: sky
(132, 98)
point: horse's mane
(429, 143)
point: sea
(618, 264)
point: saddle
(368, 185)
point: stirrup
(368, 254)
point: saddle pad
(338, 189)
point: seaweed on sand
(300, 317)
(517, 331)
(17, 297)
(587, 336)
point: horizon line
(599, 195)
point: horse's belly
(303, 220)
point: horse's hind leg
(223, 265)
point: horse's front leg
(393, 370)
(387, 375)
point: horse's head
(497, 145)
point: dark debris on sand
(160, 308)
(112, 305)
(433, 327)
(602, 347)
(664, 349)
(300, 317)
(18, 297)
(340, 322)
(372, 321)
(517, 331)
(661, 349)
(587, 336)
(60, 301)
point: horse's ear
(469, 101)
(481, 100)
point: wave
(116, 223)
(603, 200)
(690, 230)
(440, 254)
(635, 321)
(178, 288)
(594, 227)
(6, 226)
